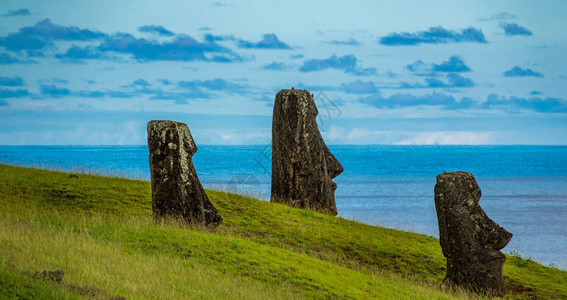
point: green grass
(101, 232)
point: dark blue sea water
(524, 187)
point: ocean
(524, 187)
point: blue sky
(382, 72)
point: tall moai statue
(470, 240)
(302, 165)
(176, 189)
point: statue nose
(334, 167)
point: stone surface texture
(470, 240)
(302, 165)
(176, 189)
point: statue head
(302, 165)
(470, 240)
(176, 188)
(457, 197)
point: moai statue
(470, 240)
(176, 189)
(302, 165)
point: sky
(381, 72)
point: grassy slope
(261, 250)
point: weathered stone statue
(176, 189)
(470, 240)
(302, 165)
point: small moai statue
(470, 240)
(176, 189)
(302, 165)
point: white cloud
(359, 136)
(243, 115)
(448, 138)
(362, 136)
(231, 136)
(227, 137)
(334, 133)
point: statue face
(457, 197)
(302, 165)
(493, 236)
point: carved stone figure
(176, 189)
(302, 165)
(470, 240)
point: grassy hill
(100, 231)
